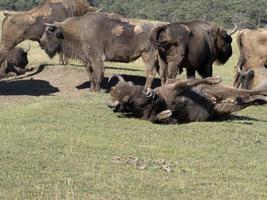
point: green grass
(60, 147)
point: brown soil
(56, 80)
(44, 81)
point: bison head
(223, 46)
(51, 40)
(15, 28)
(125, 96)
(139, 101)
(17, 61)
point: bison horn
(241, 71)
(113, 104)
(8, 13)
(28, 49)
(118, 76)
(234, 30)
(50, 25)
(150, 93)
(99, 10)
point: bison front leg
(98, 73)
(151, 64)
(206, 71)
(190, 73)
(162, 70)
(181, 85)
(90, 74)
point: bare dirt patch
(44, 81)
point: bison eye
(49, 33)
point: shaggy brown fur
(98, 37)
(20, 26)
(15, 63)
(251, 70)
(192, 45)
(183, 100)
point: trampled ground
(58, 141)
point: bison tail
(154, 38)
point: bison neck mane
(46, 7)
(72, 49)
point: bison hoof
(92, 90)
(213, 80)
(164, 115)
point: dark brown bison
(251, 71)
(98, 37)
(29, 25)
(193, 45)
(182, 100)
(15, 63)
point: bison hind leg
(164, 115)
(252, 100)
(229, 106)
(247, 79)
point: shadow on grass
(31, 72)
(110, 68)
(240, 119)
(245, 120)
(137, 80)
(27, 87)
(123, 69)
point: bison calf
(15, 63)
(182, 100)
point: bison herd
(76, 29)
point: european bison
(98, 37)
(193, 45)
(251, 71)
(15, 63)
(182, 100)
(29, 25)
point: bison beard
(182, 100)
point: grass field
(71, 146)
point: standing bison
(98, 37)
(182, 100)
(20, 26)
(15, 63)
(194, 45)
(251, 72)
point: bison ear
(60, 35)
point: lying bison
(182, 100)
(98, 37)
(29, 25)
(193, 45)
(251, 71)
(15, 63)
